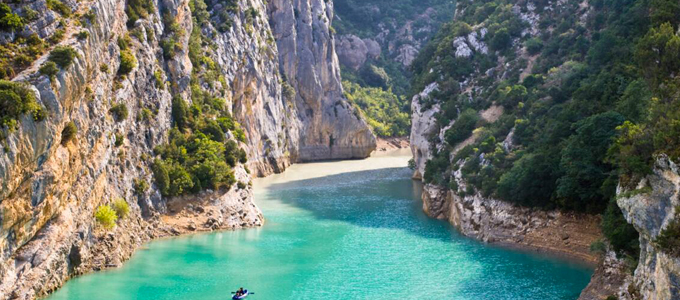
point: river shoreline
(174, 224)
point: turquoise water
(352, 233)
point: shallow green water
(359, 234)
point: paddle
(249, 293)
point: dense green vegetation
(382, 109)
(9, 21)
(586, 118)
(199, 154)
(16, 99)
(363, 18)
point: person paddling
(240, 292)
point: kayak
(245, 294)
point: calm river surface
(335, 230)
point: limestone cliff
(330, 127)
(651, 208)
(49, 190)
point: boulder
(352, 51)
(373, 48)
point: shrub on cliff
(106, 216)
(68, 133)
(161, 175)
(83, 35)
(621, 235)
(180, 112)
(59, 7)
(119, 111)
(8, 20)
(140, 186)
(121, 208)
(17, 99)
(63, 56)
(127, 62)
(119, 139)
(288, 91)
(668, 239)
(138, 9)
(49, 69)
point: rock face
(423, 124)
(373, 48)
(611, 277)
(331, 129)
(50, 190)
(499, 222)
(352, 51)
(658, 273)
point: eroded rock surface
(657, 276)
(331, 129)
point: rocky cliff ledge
(498, 222)
(278, 74)
(651, 208)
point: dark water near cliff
(342, 230)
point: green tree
(11, 21)
(162, 176)
(634, 104)
(530, 181)
(501, 40)
(462, 127)
(16, 99)
(511, 96)
(664, 11)
(621, 235)
(658, 54)
(583, 163)
(180, 112)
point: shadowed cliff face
(49, 190)
(330, 128)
